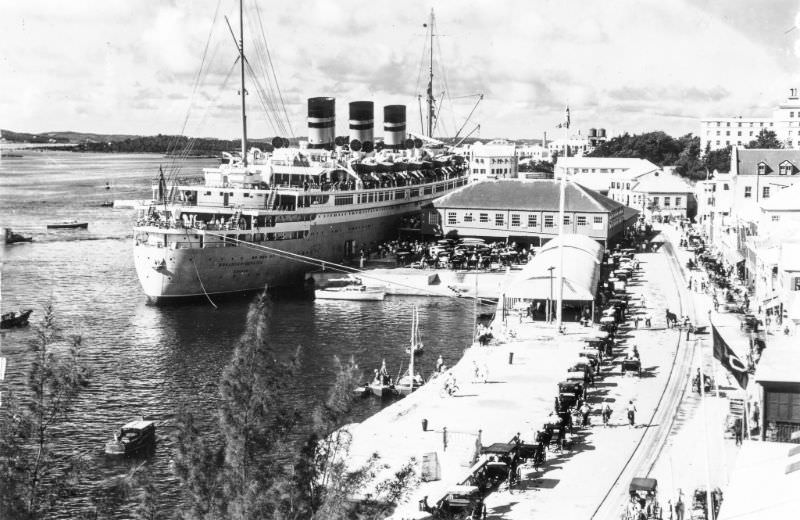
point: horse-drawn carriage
(534, 453)
(699, 509)
(502, 456)
(643, 500)
(631, 366)
(569, 392)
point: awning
(732, 256)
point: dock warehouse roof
(531, 195)
(582, 258)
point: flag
(565, 124)
(729, 359)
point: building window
(598, 220)
(725, 187)
(666, 202)
(748, 192)
(581, 220)
(532, 221)
(762, 168)
(785, 169)
(776, 218)
(796, 284)
(677, 201)
(655, 201)
(566, 220)
(515, 220)
(498, 219)
(484, 218)
(548, 221)
(765, 192)
(451, 218)
(467, 217)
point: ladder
(271, 199)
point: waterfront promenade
(519, 397)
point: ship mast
(430, 86)
(243, 91)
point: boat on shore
(11, 320)
(268, 217)
(16, 238)
(134, 437)
(72, 224)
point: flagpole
(562, 194)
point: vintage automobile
(460, 502)
(644, 498)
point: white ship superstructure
(267, 218)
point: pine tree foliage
(258, 469)
(35, 472)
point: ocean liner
(267, 218)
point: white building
(598, 173)
(660, 195)
(720, 132)
(496, 159)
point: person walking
(439, 364)
(606, 414)
(631, 413)
(636, 322)
(585, 411)
(679, 507)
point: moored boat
(14, 238)
(72, 224)
(132, 438)
(12, 320)
(350, 292)
(268, 217)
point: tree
(689, 163)
(719, 159)
(765, 139)
(250, 473)
(657, 147)
(34, 472)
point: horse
(672, 319)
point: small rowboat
(74, 224)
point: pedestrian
(636, 322)
(606, 414)
(485, 374)
(631, 413)
(648, 321)
(585, 411)
(644, 302)
(737, 431)
(679, 506)
(439, 364)
(477, 371)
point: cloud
(636, 64)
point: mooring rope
(201, 283)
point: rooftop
(779, 365)
(604, 162)
(747, 160)
(530, 195)
(663, 184)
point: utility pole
(430, 85)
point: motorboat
(12, 320)
(72, 224)
(351, 292)
(133, 437)
(14, 238)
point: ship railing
(180, 224)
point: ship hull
(167, 274)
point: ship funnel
(362, 122)
(394, 125)
(321, 122)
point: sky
(168, 66)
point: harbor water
(150, 360)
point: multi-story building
(602, 173)
(719, 132)
(758, 175)
(527, 211)
(714, 197)
(496, 159)
(661, 196)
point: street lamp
(550, 301)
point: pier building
(526, 211)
